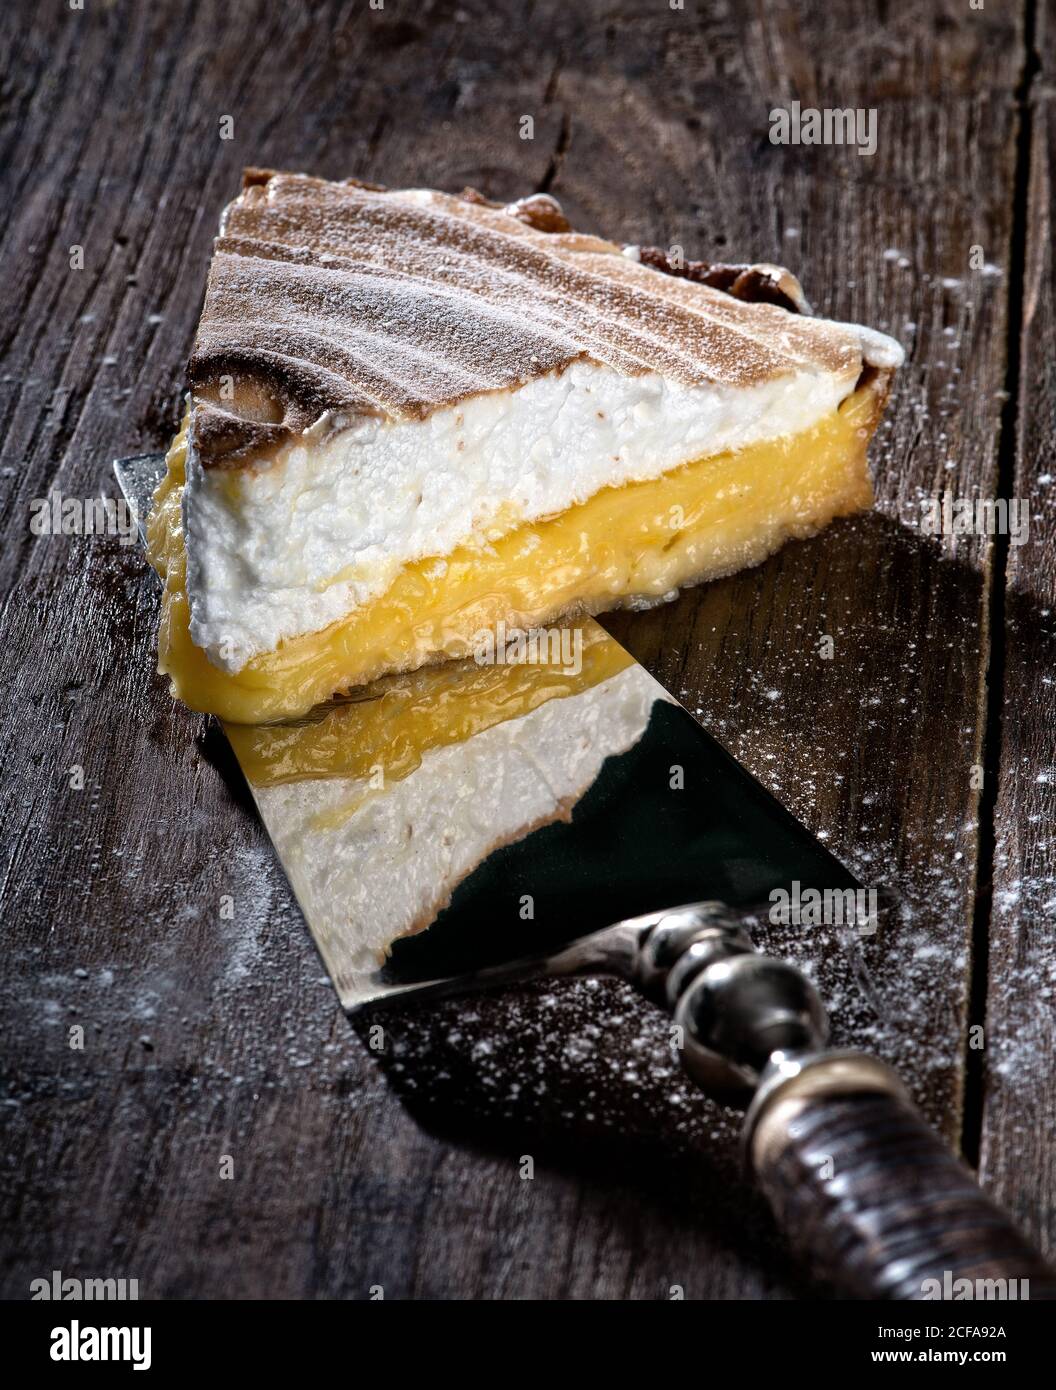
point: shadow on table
(579, 1077)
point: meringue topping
(343, 300)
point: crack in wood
(993, 685)
(557, 158)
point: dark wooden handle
(878, 1204)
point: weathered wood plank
(1020, 1080)
(207, 1037)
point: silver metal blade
(138, 477)
(468, 823)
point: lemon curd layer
(638, 542)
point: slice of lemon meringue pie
(414, 416)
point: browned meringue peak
(757, 284)
(330, 300)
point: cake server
(604, 832)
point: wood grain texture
(208, 1037)
(1018, 1158)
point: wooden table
(924, 751)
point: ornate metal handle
(859, 1183)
